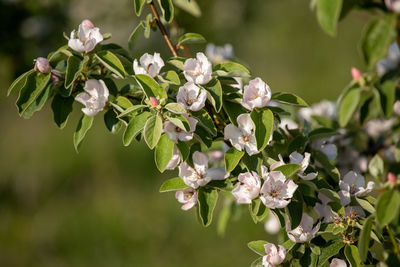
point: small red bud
(88, 23)
(154, 102)
(391, 178)
(42, 65)
(356, 74)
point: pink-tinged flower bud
(391, 178)
(42, 65)
(154, 102)
(356, 74)
(88, 23)
(55, 79)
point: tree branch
(163, 30)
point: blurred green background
(101, 207)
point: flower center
(353, 189)
(190, 101)
(274, 193)
(178, 130)
(188, 196)
(198, 73)
(148, 67)
(246, 138)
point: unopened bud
(391, 178)
(356, 74)
(88, 23)
(42, 65)
(154, 102)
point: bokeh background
(101, 207)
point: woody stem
(162, 29)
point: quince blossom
(191, 96)
(86, 39)
(353, 184)
(324, 108)
(197, 70)
(200, 175)
(188, 197)
(42, 65)
(390, 62)
(248, 188)
(354, 212)
(305, 231)
(324, 210)
(149, 65)
(242, 137)
(277, 191)
(297, 158)
(393, 5)
(272, 225)
(218, 54)
(338, 263)
(275, 256)
(256, 94)
(94, 98)
(175, 133)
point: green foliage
(257, 246)
(173, 184)
(232, 158)
(152, 131)
(263, 123)
(191, 38)
(363, 244)
(328, 12)
(163, 153)
(387, 207)
(207, 198)
(84, 124)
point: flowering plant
(324, 177)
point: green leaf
(233, 67)
(328, 12)
(84, 125)
(177, 62)
(322, 133)
(365, 234)
(152, 131)
(375, 166)
(163, 153)
(365, 205)
(330, 194)
(348, 105)
(205, 120)
(171, 77)
(289, 244)
(179, 121)
(113, 124)
(377, 37)
(264, 123)
(214, 94)
(207, 199)
(258, 246)
(176, 108)
(39, 102)
(257, 262)
(150, 87)
(290, 99)
(258, 211)
(387, 207)
(288, 169)
(324, 161)
(203, 136)
(173, 184)
(123, 102)
(111, 62)
(191, 38)
(33, 87)
(136, 124)
(74, 69)
(131, 110)
(139, 4)
(184, 148)
(328, 252)
(19, 82)
(388, 96)
(232, 158)
(233, 110)
(295, 209)
(167, 9)
(135, 35)
(190, 7)
(352, 257)
(62, 107)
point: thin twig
(163, 30)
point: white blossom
(378, 127)
(187, 197)
(242, 137)
(393, 5)
(149, 65)
(287, 123)
(274, 256)
(354, 212)
(42, 65)
(197, 70)
(326, 146)
(200, 174)
(86, 39)
(94, 98)
(324, 210)
(305, 231)
(175, 160)
(272, 225)
(304, 161)
(391, 61)
(353, 184)
(256, 94)
(324, 108)
(248, 187)
(177, 134)
(191, 96)
(338, 263)
(219, 54)
(277, 191)
(396, 107)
